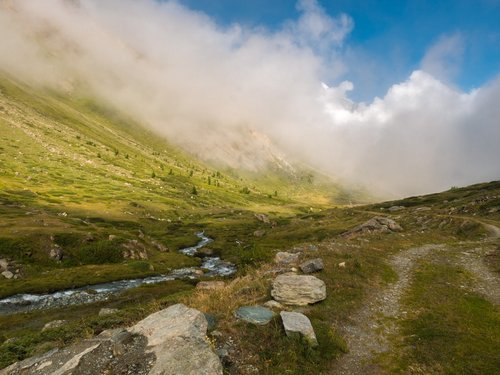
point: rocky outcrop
(171, 341)
(134, 249)
(377, 224)
(313, 265)
(296, 323)
(298, 290)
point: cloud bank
(211, 89)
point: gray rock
(211, 321)
(177, 336)
(259, 233)
(171, 341)
(296, 323)
(263, 218)
(210, 285)
(3, 264)
(7, 274)
(420, 209)
(377, 224)
(56, 252)
(134, 249)
(298, 290)
(54, 324)
(272, 304)
(159, 246)
(313, 265)
(284, 257)
(254, 314)
(396, 208)
(107, 311)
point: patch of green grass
(449, 329)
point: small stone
(313, 265)
(396, 208)
(107, 311)
(3, 264)
(272, 304)
(284, 257)
(211, 321)
(259, 233)
(254, 314)
(56, 253)
(7, 274)
(54, 324)
(210, 285)
(298, 324)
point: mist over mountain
(245, 95)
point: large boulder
(298, 290)
(177, 336)
(171, 341)
(296, 323)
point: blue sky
(390, 37)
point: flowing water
(211, 266)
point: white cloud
(444, 59)
(210, 88)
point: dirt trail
(371, 326)
(487, 283)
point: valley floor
(423, 300)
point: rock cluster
(377, 224)
(9, 270)
(171, 341)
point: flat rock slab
(296, 323)
(254, 314)
(298, 290)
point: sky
(401, 98)
(391, 36)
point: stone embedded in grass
(313, 265)
(254, 314)
(259, 233)
(3, 264)
(107, 311)
(210, 285)
(283, 258)
(7, 274)
(298, 290)
(396, 208)
(298, 324)
(272, 304)
(54, 324)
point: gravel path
(371, 326)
